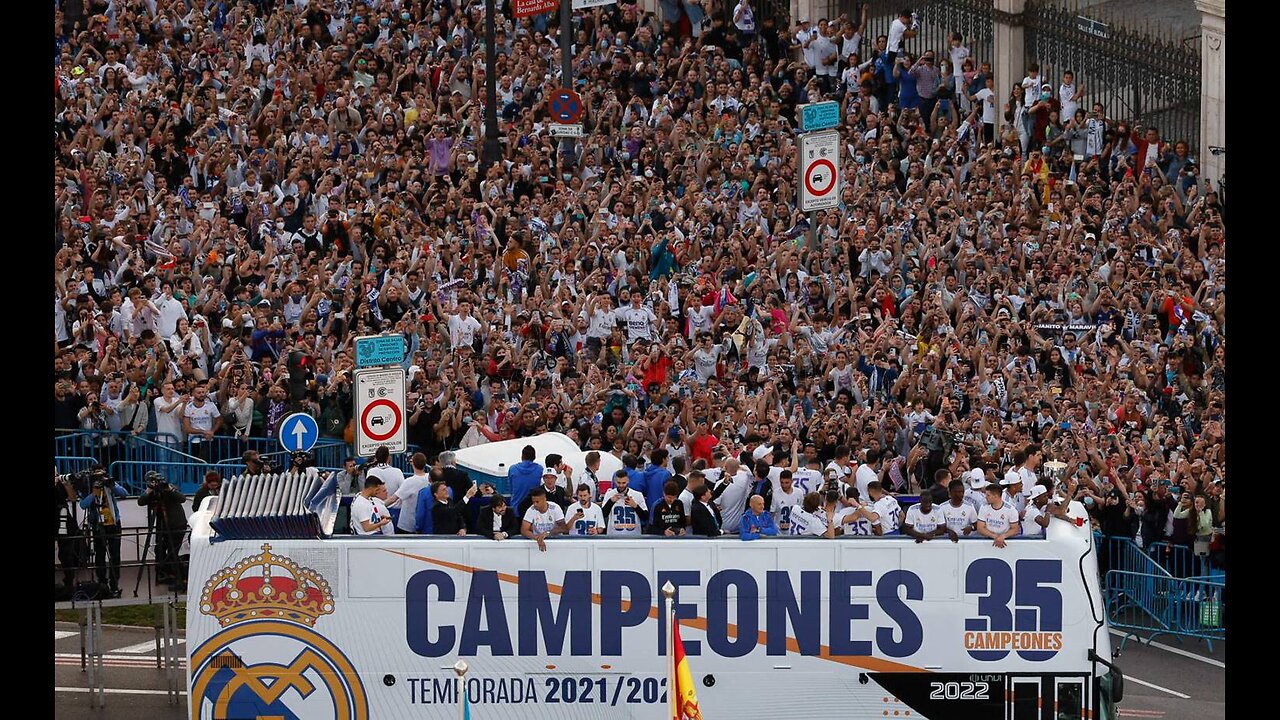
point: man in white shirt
(804, 38)
(168, 409)
(956, 513)
(885, 509)
(408, 493)
(625, 509)
(808, 481)
(1069, 95)
(997, 520)
(641, 323)
(730, 494)
(1012, 484)
(854, 516)
(369, 514)
(976, 496)
(902, 28)
(584, 517)
(1040, 511)
(200, 420)
(924, 521)
(826, 56)
(987, 96)
(171, 310)
(786, 496)
(868, 473)
(462, 327)
(385, 471)
(542, 520)
(809, 519)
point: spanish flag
(683, 694)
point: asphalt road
(1180, 681)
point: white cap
(977, 479)
(761, 451)
(1035, 491)
(1011, 478)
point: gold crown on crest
(256, 589)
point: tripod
(146, 547)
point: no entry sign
(819, 168)
(379, 410)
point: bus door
(1034, 697)
(1025, 697)
(1069, 698)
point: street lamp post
(492, 150)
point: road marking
(118, 691)
(60, 634)
(1154, 686)
(1126, 712)
(1179, 651)
(143, 647)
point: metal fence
(1148, 77)
(1154, 605)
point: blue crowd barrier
(1157, 604)
(72, 463)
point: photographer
(103, 521)
(73, 551)
(211, 486)
(164, 505)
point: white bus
(358, 628)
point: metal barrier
(1162, 605)
(1180, 560)
(72, 463)
(186, 476)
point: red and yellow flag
(684, 696)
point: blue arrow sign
(299, 431)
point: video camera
(95, 477)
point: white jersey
(805, 523)
(783, 505)
(542, 522)
(686, 499)
(998, 520)
(1031, 528)
(890, 513)
(389, 475)
(640, 322)
(975, 499)
(807, 480)
(625, 520)
(373, 510)
(864, 477)
(925, 522)
(861, 526)
(1017, 500)
(592, 517)
(959, 519)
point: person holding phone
(584, 517)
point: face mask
(405, 16)
(1088, 501)
(186, 37)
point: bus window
(1070, 702)
(1026, 699)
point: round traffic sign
(565, 106)
(820, 177)
(379, 427)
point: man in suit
(706, 520)
(449, 517)
(555, 493)
(456, 478)
(498, 521)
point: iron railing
(1139, 76)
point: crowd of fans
(1011, 267)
